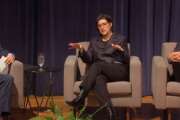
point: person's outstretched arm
(86, 56)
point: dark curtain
(28, 27)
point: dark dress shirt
(100, 51)
(176, 66)
(177, 47)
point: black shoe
(79, 100)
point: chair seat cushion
(114, 88)
(173, 88)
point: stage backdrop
(28, 27)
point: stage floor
(146, 112)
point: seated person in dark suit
(174, 58)
(108, 57)
(5, 84)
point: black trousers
(100, 73)
(6, 82)
(176, 71)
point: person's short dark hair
(104, 16)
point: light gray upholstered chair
(18, 85)
(166, 94)
(123, 93)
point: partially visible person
(108, 57)
(174, 59)
(5, 84)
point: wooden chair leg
(162, 114)
(169, 114)
(134, 112)
(165, 115)
(128, 112)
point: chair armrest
(159, 81)
(70, 76)
(17, 71)
(136, 79)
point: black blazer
(103, 51)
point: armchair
(166, 93)
(18, 88)
(123, 93)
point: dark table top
(37, 69)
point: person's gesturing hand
(117, 46)
(75, 46)
(174, 57)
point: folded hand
(174, 56)
(10, 58)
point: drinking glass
(41, 60)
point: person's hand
(75, 46)
(10, 58)
(174, 57)
(116, 46)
